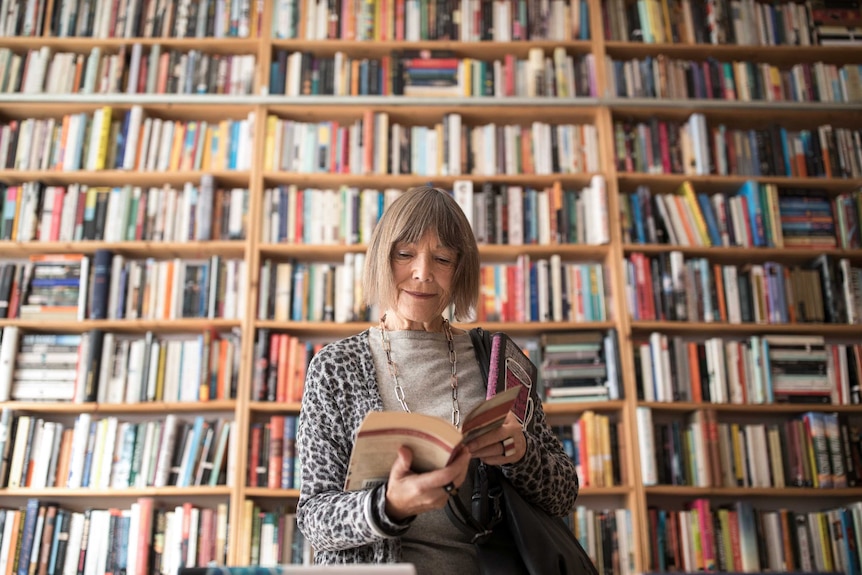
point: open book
(434, 441)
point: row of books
(280, 362)
(592, 441)
(579, 366)
(755, 370)
(132, 70)
(607, 535)
(371, 144)
(814, 449)
(441, 73)
(710, 22)
(544, 289)
(115, 368)
(107, 453)
(133, 19)
(694, 147)
(516, 215)
(272, 458)
(44, 537)
(739, 537)
(499, 214)
(69, 287)
(109, 139)
(668, 287)
(34, 211)
(757, 215)
(739, 80)
(271, 538)
(461, 20)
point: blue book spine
(27, 535)
(534, 296)
(283, 215)
(637, 216)
(751, 193)
(288, 462)
(121, 140)
(88, 458)
(197, 430)
(711, 220)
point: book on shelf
(434, 441)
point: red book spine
(254, 454)
(276, 451)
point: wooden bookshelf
(600, 111)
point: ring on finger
(508, 447)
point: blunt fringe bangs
(412, 214)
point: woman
(421, 260)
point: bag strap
(464, 520)
(482, 348)
(485, 496)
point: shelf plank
(733, 408)
(82, 45)
(124, 325)
(570, 408)
(87, 493)
(146, 408)
(134, 249)
(767, 492)
(741, 255)
(714, 328)
(115, 178)
(668, 183)
(782, 55)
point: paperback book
(434, 441)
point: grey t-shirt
(432, 543)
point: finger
(403, 461)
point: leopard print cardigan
(352, 527)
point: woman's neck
(393, 322)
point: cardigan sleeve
(546, 475)
(339, 390)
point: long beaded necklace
(393, 369)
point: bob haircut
(406, 220)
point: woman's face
(423, 277)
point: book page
(433, 441)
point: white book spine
(8, 351)
(646, 445)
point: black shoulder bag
(511, 535)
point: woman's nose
(422, 268)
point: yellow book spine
(207, 142)
(269, 143)
(467, 75)
(160, 374)
(104, 133)
(696, 543)
(19, 195)
(177, 145)
(825, 543)
(687, 191)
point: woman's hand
(504, 445)
(409, 493)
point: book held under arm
(434, 441)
